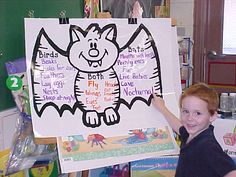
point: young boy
(200, 153)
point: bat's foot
(91, 119)
(111, 117)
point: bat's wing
(52, 77)
(138, 68)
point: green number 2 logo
(14, 83)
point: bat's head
(93, 50)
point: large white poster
(97, 75)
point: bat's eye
(95, 45)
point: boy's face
(195, 116)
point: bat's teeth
(100, 62)
(95, 63)
(90, 63)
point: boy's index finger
(156, 95)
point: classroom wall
(12, 14)
(182, 11)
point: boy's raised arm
(173, 121)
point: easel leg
(72, 174)
(85, 173)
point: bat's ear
(109, 32)
(76, 33)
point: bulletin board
(12, 14)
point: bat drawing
(94, 74)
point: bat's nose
(93, 52)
